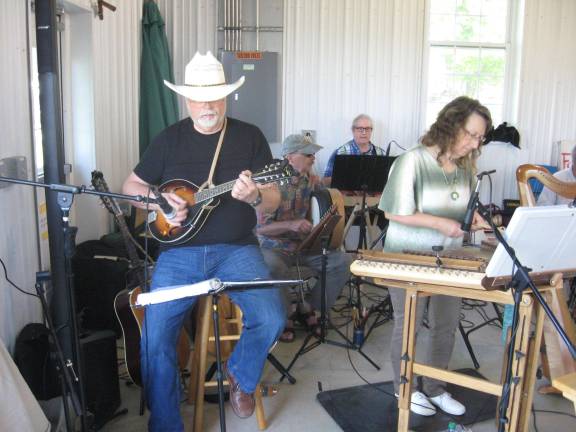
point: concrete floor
(295, 407)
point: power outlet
(311, 133)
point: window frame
(511, 45)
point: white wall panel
(116, 54)
(547, 102)
(190, 27)
(18, 228)
(345, 57)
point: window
(468, 54)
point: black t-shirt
(181, 152)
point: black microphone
(471, 208)
(167, 209)
(483, 173)
(469, 216)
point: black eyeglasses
(363, 129)
(481, 139)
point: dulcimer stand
(551, 261)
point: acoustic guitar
(202, 202)
(129, 316)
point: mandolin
(202, 202)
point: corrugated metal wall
(18, 227)
(345, 57)
(547, 102)
(116, 45)
(190, 27)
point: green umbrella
(158, 105)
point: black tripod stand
(324, 321)
(383, 310)
(65, 368)
(215, 288)
(216, 292)
(520, 281)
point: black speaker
(100, 373)
(96, 283)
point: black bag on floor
(32, 356)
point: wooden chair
(525, 172)
(204, 351)
(557, 361)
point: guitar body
(162, 231)
(131, 319)
(131, 322)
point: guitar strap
(208, 183)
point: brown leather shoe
(243, 404)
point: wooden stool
(230, 329)
(567, 385)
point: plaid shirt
(295, 203)
(350, 148)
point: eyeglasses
(478, 138)
(363, 129)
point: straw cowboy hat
(204, 80)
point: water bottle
(454, 427)
(358, 338)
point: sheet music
(208, 286)
(176, 292)
(544, 239)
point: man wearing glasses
(362, 127)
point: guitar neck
(127, 237)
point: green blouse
(417, 184)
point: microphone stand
(65, 199)
(520, 280)
(215, 293)
(65, 368)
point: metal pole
(257, 25)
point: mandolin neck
(209, 193)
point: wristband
(258, 200)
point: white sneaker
(448, 404)
(419, 404)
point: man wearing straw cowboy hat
(225, 246)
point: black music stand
(555, 228)
(368, 174)
(315, 243)
(215, 288)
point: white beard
(208, 123)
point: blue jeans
(263, 317)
